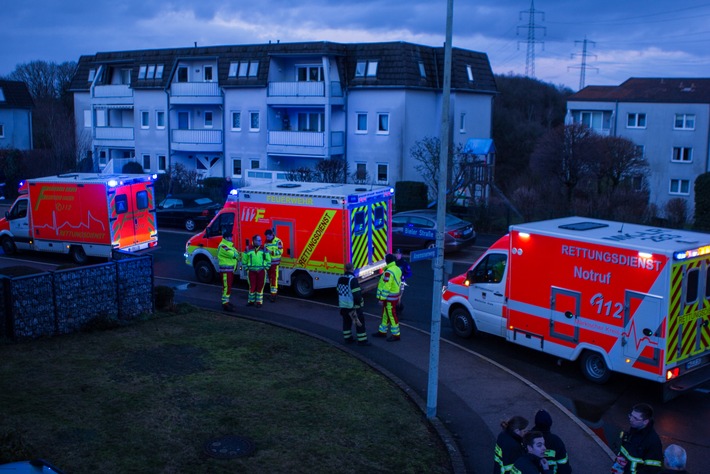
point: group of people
(258, 259)
(520, 450)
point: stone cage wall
(66, 301)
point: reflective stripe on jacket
(256, 259)
(390, 283)
(227, 256)
(275, 249)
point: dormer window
(469, 72)
(422, 71)
(150, 71)
(366, 69)
(243, 68)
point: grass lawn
(148, 397)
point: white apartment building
(669, 119)
(252, 112)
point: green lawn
(148, 397)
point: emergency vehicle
(82, 214)
(323, 226)
(617, 297)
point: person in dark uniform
(351, 304)
(555, 450)
(509, 445)
(640, 449)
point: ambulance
(616, 297)
(323, 226)
(82, 214)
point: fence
(66, 301)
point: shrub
(164, 298)
(409, 195)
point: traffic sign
(425, 254)
(419, 232)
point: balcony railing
(113, 90)
(195, 89)
(197, 137)
(313, 139)
(297, 89)
(114, 133)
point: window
(142, 200)
(208, 74)
(159, 71)
(684, 121)
(146, 162)
(102, 158)
(236, 167)
(100, 117)
(92, 75)
(383, 124)
(311, 122)
(692, 286)
(160, 119)
(236, 120)
(680, 186)
(182, 74)
(253, 68)
(310, 73)
(151, 71)
(422, 71)
(208, 119)
(253, 121)
(682, 154)
(87, 119)
(469, 73)
(145, 119)
(596, 120)
(243, 69)
(162, 165)
(125, 76)
(361, 122)
(636, 121)
(382, 172)
(361, 171)
(121, 203)
(366, 69)
(641, 150)
(489, 270)
(462, 124)
(255, 164)
(141, 71)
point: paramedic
(351, 303)
(275, 247)
(228, 257)
(256, 260)
(388, 290)
(509, 445)
(640, 451)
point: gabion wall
(65, 301)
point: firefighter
(640, 451)
(388, 290)
(555, 449)
(351, 302)
(275, 247)
(228, 256)
(533, 461)
(509, 444)
(256, 260)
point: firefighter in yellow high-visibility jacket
(275, 247)
(388, 291)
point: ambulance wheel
(190, 224)
(78, 255)
(8, 246)
(594, 368)
(462, 323)
(204, 272)
(302, 284)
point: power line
(583, 66)
(531, 41)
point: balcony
(197, 140)
(305, 143)
(112, 94)
(304, 93)
(114, 136)
(195, 93)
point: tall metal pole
(440, 221)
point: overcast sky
(625, 38)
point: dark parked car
(189, 211)
(413, 230)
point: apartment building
(253, 112)
(668, 119)
(15, 115)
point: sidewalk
(474, 393)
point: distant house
(669, 119)
(253, 112)
(15, 115)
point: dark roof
(398, 64)
(17, 95)
(657, 90)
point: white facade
(249, 112)
(668, 118)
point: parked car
(189, 211)
(413, 230)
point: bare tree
(618, 160)
(332, 170)
(462, 168)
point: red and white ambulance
(617, 297)
(323, 226)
